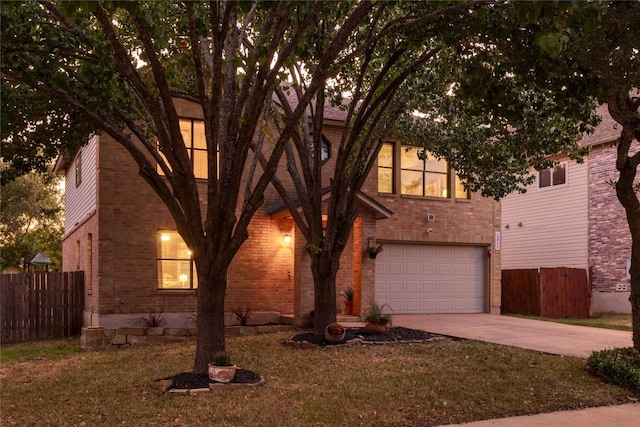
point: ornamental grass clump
(222, 358)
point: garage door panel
(429, 268)
(444, 287)
(429, 287)
(395, 287)
(412, 305)
(445, 270)
(428, 306)
(416, 278)
(397, 305)
(412, 287)
(444, 305)
(412, 269)
(394, 269)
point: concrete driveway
(548, 337)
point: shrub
(621, 366)
(375, 314)
(243, 314)
(151, 320)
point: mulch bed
(395, 335)
(190, 381)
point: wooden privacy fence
(41, 305)
(547, 292)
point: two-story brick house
(437, 240)
(570, 217)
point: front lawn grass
(423, 384)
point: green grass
(620, 322)
(392, 385)
(46, 349)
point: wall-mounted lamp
(286, 239)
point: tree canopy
(31, 220)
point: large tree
(31, 220)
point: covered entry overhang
(356, 269)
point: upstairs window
(78, 169)
(175, 268)
(553, 177)
(461, 192)
(196, 144)
(325, 149)
(428, 177)
(385, 169)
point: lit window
(553, 177)
(461, 192)
(176, 269)
(385, 169)
(428, 177)
(196, 144)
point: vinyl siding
(80, 201)
(554, 224)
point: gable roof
(279, 210)
(607, 131)
(331, 112)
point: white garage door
(431, 278)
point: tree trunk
(626, 194)
(324, 279)
(211, 291)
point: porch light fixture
(286, 239)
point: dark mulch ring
(395, 335)
(190, 381)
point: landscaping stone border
(164, 385)
(97, 338)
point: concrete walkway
(547, 337)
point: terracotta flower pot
(376, 328)
(348, 307)
(334, 337)
(222, 374)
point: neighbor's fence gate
(41, 305)
(547, 292)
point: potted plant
(377, 322)
(334, 332)
(348, 300)
(374, 250)
(221, 369)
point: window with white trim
(553, 177)
(175, 268)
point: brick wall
(609, 235)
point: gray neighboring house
(570, 217)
